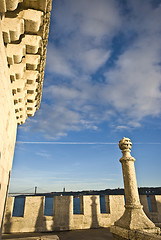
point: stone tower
(24, 27)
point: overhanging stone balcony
(25, 27)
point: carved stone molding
(25, 28)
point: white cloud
(57, 62)
(57, 120)
(93, 59)
(122, 127)
(87, 18)
(133, 86)
(81, 32)
(126, 92)
(67, 93)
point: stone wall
(8, 126)
(63, 218)
(154, 213)
(24, 27)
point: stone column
(134, 217)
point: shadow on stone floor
(89, 234)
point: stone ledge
(49, 237)
(11, 5)
(45, 237)
(122, 234)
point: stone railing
(34, 219)
(25, 27)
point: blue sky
(102, 82)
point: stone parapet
(63, 216)
(25, 28)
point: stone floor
(90, 234)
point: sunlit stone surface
(134, 217)
(24, 27)
(25, 33)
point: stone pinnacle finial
(125, 144)
(133, 218)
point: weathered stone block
(12, 28)
(33, 19)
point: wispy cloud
(66, 143)
(43, 154)
(79, 143)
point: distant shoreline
(117, 191)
